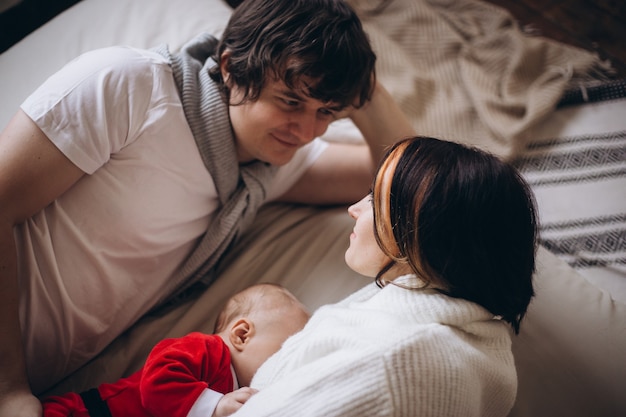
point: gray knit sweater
(241, 189)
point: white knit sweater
(391, 352)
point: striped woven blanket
(576, 165)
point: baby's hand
(233, 401)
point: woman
(449, 234)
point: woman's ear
(224, 59)
(241, 332)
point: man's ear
(224, 59)
(241, 332)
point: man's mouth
(285, 142)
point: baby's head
(255, 322)
(462, 219)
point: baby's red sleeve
(178, 370)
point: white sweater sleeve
(338, 385)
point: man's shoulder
(125, 61)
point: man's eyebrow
(335, 108)
(302, 97)
(290, 93)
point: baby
(198, 374)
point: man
(142, 167)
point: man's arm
(33, 172)
(343, 173)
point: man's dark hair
(317, 46)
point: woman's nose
(355, 209)
(352, 211)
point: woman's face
(364, 255)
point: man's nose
(307, 126)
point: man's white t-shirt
(96, 259)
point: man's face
(280, 122)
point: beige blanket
(464, 70)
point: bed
(461, 70)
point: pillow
(92, 24)
(570, 350)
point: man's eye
(290, 103)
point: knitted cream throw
(241, 188)
(464, 70)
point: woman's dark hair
(464, 220)
(320, 42)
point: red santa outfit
(185, 376)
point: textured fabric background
(465, 71)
